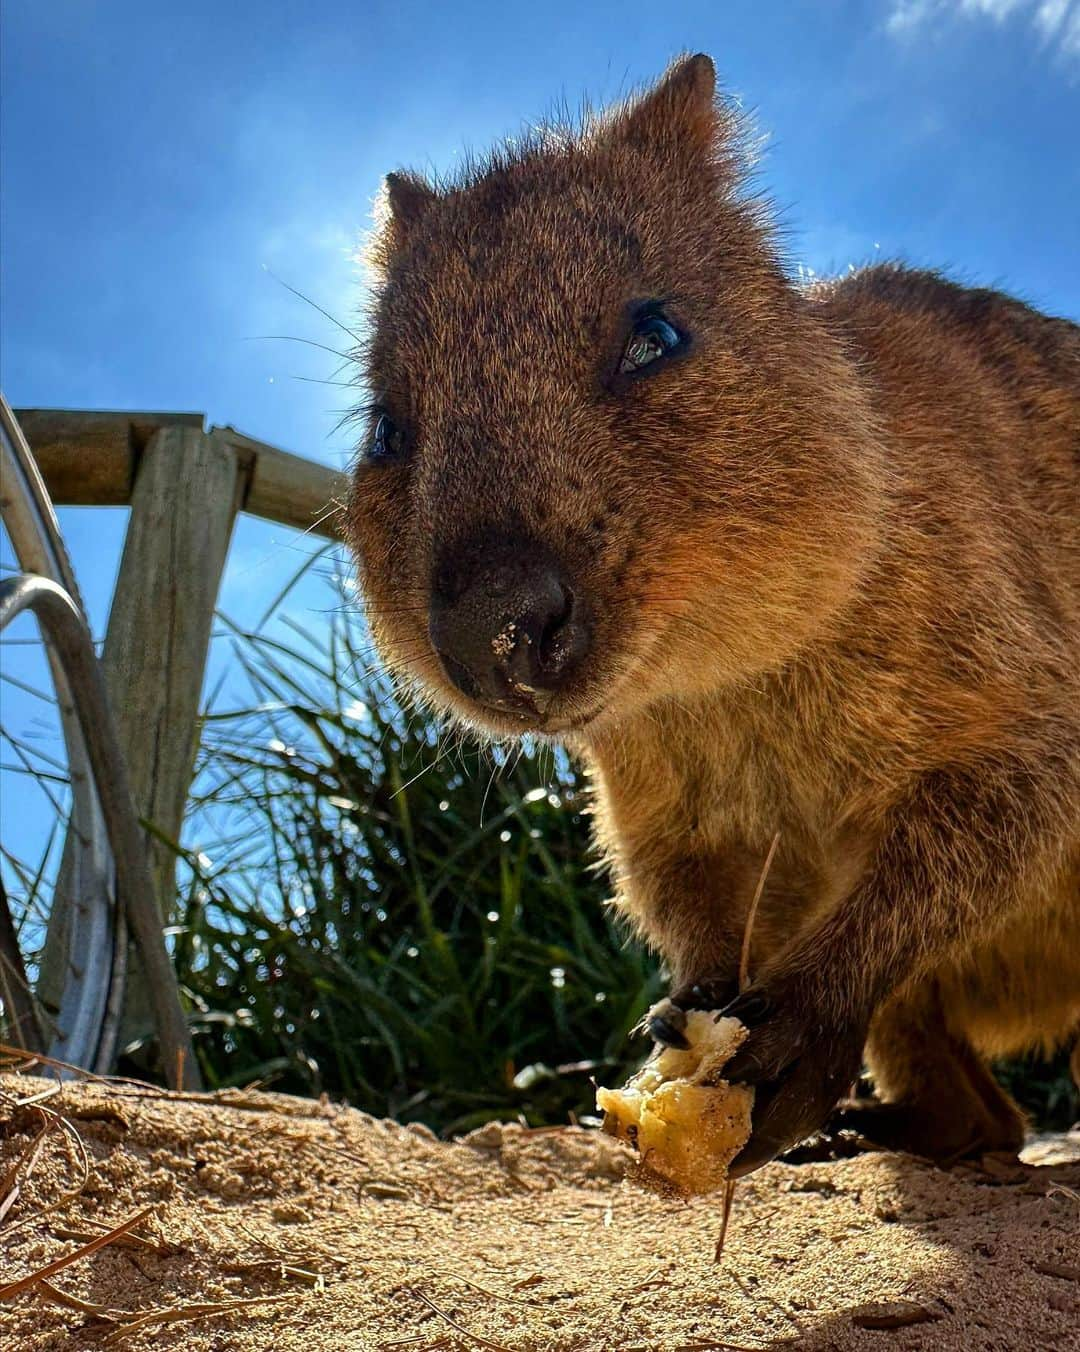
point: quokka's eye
(653, 337)
(387, 441)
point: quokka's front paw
(667, 1020)
(800, 1057)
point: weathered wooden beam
(91, 459)
(288, 489)
(88, 459)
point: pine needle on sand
(58, 1264)
(744, 981)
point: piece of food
(686, 1122)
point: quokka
(769, 560)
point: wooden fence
(185, 485)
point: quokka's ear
(679, 110)
(407, 198)
(399, 207)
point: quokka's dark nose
(507, 626)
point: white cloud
(1059, 23)
(908, 14)
(1056, 22)
(992, 9)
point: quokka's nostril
(551, 649)
(444, 582)
(460, 675)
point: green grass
(1044, 1089)
(418, 927)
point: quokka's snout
(509, 623)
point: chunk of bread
(685, 1121)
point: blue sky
(157, 157)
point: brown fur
(831, 558)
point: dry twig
(1066, 1271)
(47, 1291)
(71, 1136)
(474, 1337)
(744, 981)
(57, 1265)
(895, 1314)
(10, 1187)
(513, 1300)
(175, 1314)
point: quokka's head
(611, 456)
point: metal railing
(185, 485)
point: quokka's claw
(666, 1023)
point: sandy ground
(342, 1232)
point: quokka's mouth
(522, 722)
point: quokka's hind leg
(1074, 1062)
(935, 1095)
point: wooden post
(184, 486)
(186, 494)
